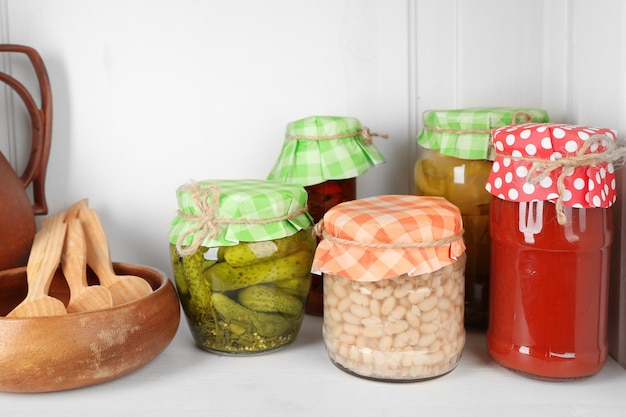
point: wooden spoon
(43, 261)
(123, 288)
(83, 297)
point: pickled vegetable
(296, 286)
(254, 304)
(198, 287)
(251, 253)
(264, 324)
(225, 277)
(269, 299)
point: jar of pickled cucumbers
(454, 161)
(241, 255)
(393, 270)
(553, 189)
(325, 154)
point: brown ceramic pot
(17, 221)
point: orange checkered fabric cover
(383, 237)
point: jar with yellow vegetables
(241, 254)
(454, 161)
(325, 154)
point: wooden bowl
(42, 354)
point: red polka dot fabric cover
(518, 147)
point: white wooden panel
(556, 48)
(149, 95)
(598, 62)
(480, 53)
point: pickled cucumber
(269, 299)
(199, 288)
(179, 273)
(245, 254)
(297, 286)
(225, 277)
(265, 324)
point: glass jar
(454, 161)
(325, 154)
(321, 198)
(551, 231)
(241, 255)
(393, 287)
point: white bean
(400, 328)
(359, 299)
(375, 307)
(344, 305)
(382, 293)
(398, 312)
(348, 317)
(428, 304)
(385, 343)
(388, 305)
(359, 311)
(430, 315)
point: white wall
(150, 94)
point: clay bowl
(42, 354)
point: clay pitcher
(17, 213)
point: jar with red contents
(551, 229)
(325, 154)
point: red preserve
(551, 230)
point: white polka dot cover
(540, 161)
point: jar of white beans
(393, 270)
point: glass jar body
(321, 198)
(398, 330)
(462, 182)
(246, 299)
(549, 283)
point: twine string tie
(364, 132)
(321, 232)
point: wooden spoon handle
(74, 257)
(45, 255)
(98, 253)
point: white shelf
(299, 380)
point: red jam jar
(551, 231)
(325, 154)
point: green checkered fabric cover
(247, 211)
(466, 133)
(321, 148)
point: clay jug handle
(41, 121)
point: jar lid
(225, 212)
(565, 164)
(466, 133)
(383, 237)
(321, 148)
